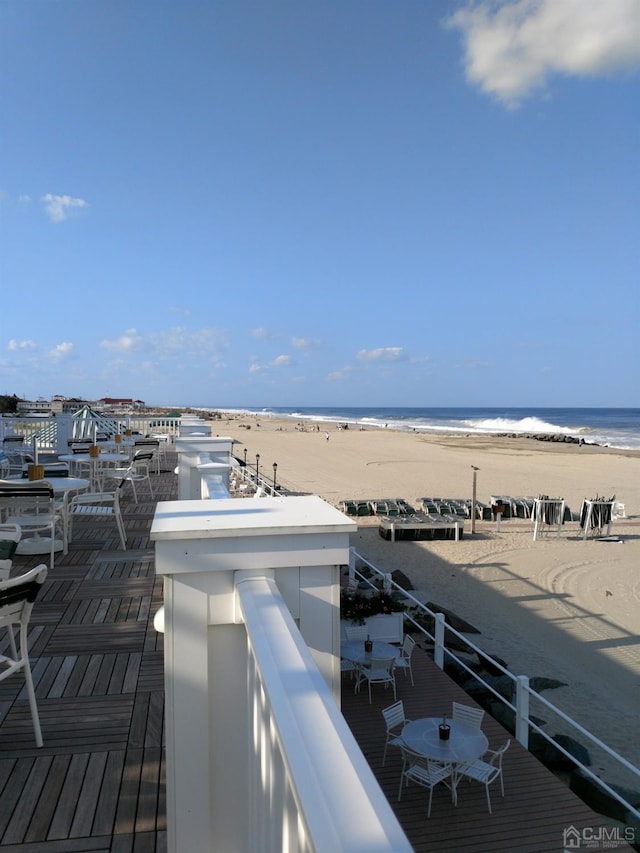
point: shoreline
(430, 427)
(515, 466)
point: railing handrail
(389, 583)
(339, 800)
(44, 428)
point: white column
(64, 431)
(192, 452)
(301, 542)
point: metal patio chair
(17, 596)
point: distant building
(121, 403)
(34, 407)
(56, 406)
(59, 405)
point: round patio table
(353, 650)
(466, 742)
(37, 544)
(94, 462)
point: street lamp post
(275, 469)
(245, 457)
(473, 499)
(257, 468)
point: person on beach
(326, 435)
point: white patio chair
(81, 467)
(467, 714)
(16, 603)
(416, 768)
(486, 771)
(13, 441)
(5, 465)
(395, 721)
(379, 671)
(31, 505)
(9, 537)
(403, 661)
(17, 457)
(163, 443)
(95, 505)
(356, 632)
(348, 667)
(139, 471)
(151, 445)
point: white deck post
(300, 542)
(438, 649)
(352, 566)
(193, 425)
(192, 452)
(522, 710)
(64, 431)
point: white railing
(312, 788)
(524, 693)
(254, 478)
(50, 434)
(303, 784)
(309, 782)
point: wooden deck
(536, 808)
(98, 782)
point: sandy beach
(562, 607)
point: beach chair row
(519, 507)
(421, 526)
(377, 506)
(460, 507)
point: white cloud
(198, 343)
(131, 341)
(255, 368)
(513, 47)
(61, 351)
(16, 346)
(24, 199)
(382, 354)
(339, 375)
(305, 343)
(260, 333)
(60, 207)
(281, 360)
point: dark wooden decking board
(536, 806)
(98, 782)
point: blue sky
(365, 202)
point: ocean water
(608, 427)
